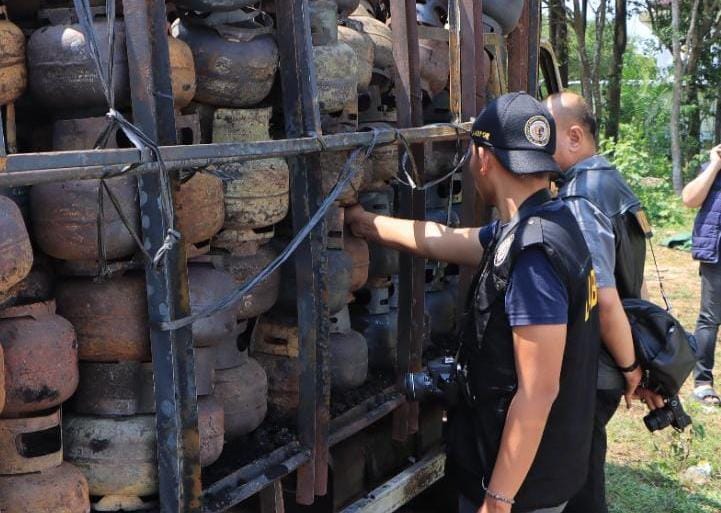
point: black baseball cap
(521, 133)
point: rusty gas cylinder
(346, 7)
(336, 68)
(440, 157)
(257, 191)
(208, 286)
(378, 323)
(235, 65)
(31, 444)
(357, 249)
(36, 287)
(116, 454)
(110, 317)
(2, 379)
(62, 74)
(323, 22)
(243, 392)
(127, 389)
(244, 267)
(276, 347)
(182, 72)
(199, 208)
(383, 261)
(352, 34)
(384, 160)
(13, 72)
(505, 12)
(348, 353)
(211, 429)
(61, 489)
(440, 307)
(65, 215)
(229, 354)
(435, 66)
(41, 358)
(16, 253)
(332, 162)
(380, 33)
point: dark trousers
(592, 497)
(709, 319)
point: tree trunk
(613, 99)
(558, 30)
(579, 27)
(597, 53)
(692, 141)
(676, 175)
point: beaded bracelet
(496, 496)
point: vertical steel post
(302, 118)
(480, 46)
(411, 312)
(168, 297)
(518, 58)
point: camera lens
(658, 419)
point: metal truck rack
(179, 472)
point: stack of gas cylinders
(74, 328)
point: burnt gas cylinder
(80, 134)
(383, 62)
(346, 7)
(276, 346)
(243, 268)
(127, 389)
(336, 67)
(199, 208)
(16, 253)
(443, 216)
(440, 157)
(435, 66)
(441, 311)
(383, 261)
(208, 286)
(348, 353)
(13, 72)
(357, 249)
(323, 22)
(348, 463)
(22, 9)
(36, 287)
(204, 370)
(21, 197)
(2, 379)
(340, 267)
(41, 358)
(232, 70)
(62, 74)
(384, 160)
(30, 444)
(182, 72)
(62, 489)
(505, 12)
(375, 106)
(116, 454)
(257, 191)
(362, 45)
(211, 428)
(213, 5)
(229, 353)
(378, 323)
(110, 317)
(332, 162)
(65, 216)
(243, 392)
(439, 196)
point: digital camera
(439, 381)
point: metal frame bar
(176, 415)
(411, 311)
(302, 117)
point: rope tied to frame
(347, 172)
(136, 136)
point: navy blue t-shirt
(535, 293)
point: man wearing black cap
(520, 436)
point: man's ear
(483, 157)
(576, 137)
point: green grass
(645, 471)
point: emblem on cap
(538, 131)
(502, 252)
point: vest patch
(502, 252)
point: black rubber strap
(635, 365)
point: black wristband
(635, 365)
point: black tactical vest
(597, 181)
(488, 373)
